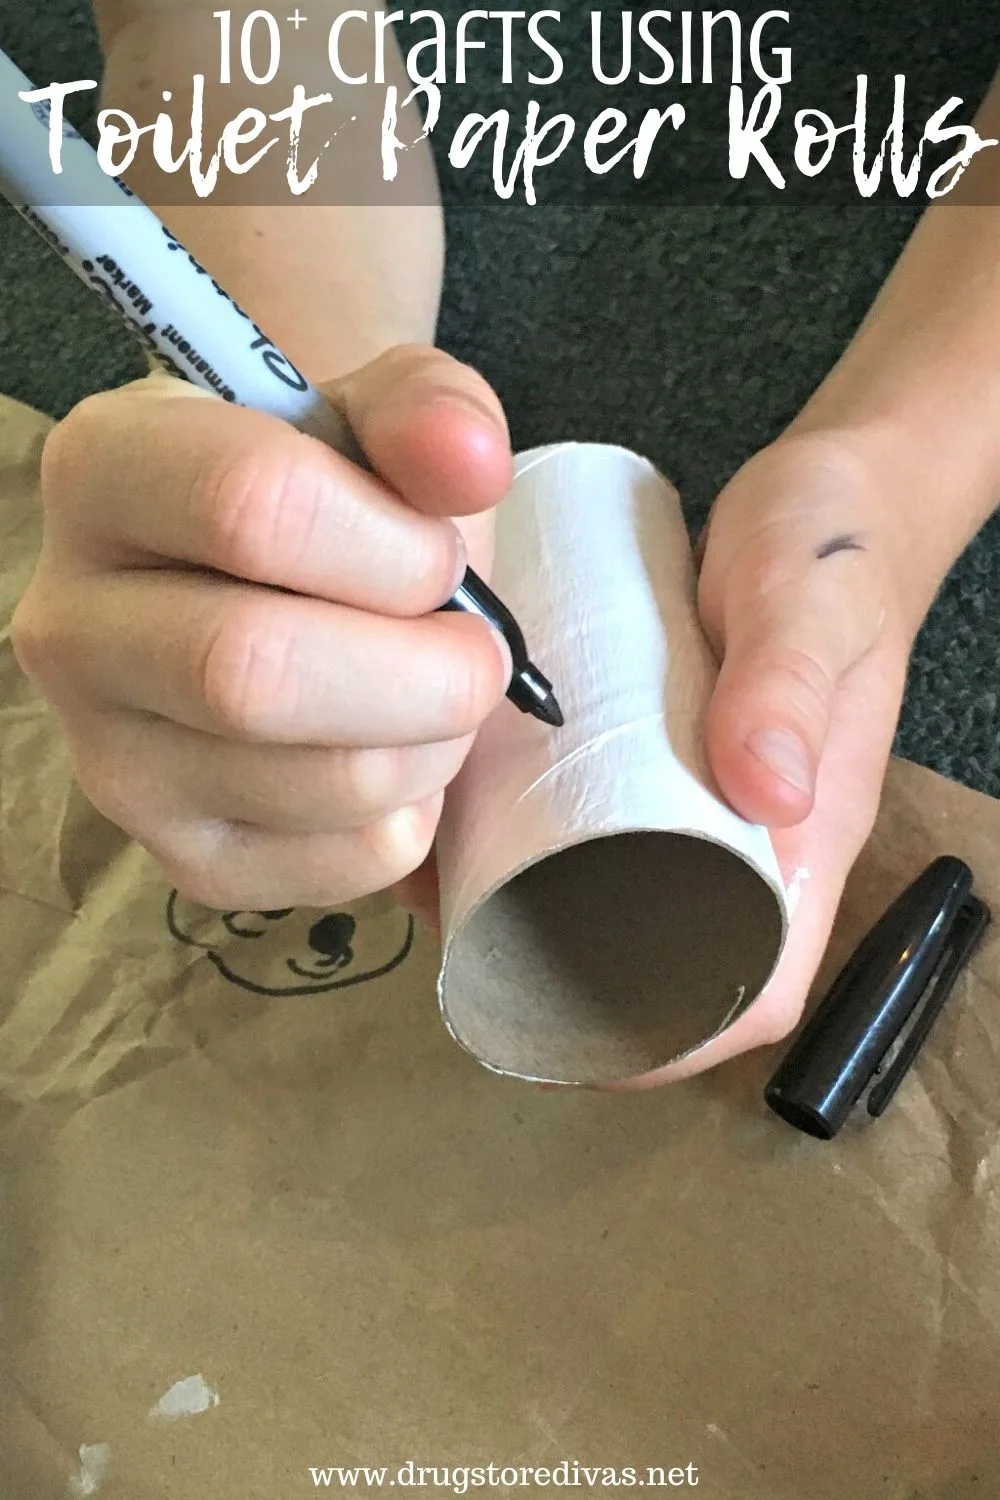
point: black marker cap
(915, 952)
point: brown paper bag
(319, 1210)
(260, 1217)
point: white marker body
(119, 248)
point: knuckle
(254, 509)
(768, 568)
(192, 860)
(246, 676)
(775, 1013)
(370, 783)
(203, 865)
(403, 841)
(117, 784)
(41, 645)
(105, 785)
(202, 885)
(470, 686)
(69, 447)
(431, 564)
(809, 681)
(779, 1023)
(29, 638)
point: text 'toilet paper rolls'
(604, 911)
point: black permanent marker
(119, 248)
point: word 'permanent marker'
(119, 248)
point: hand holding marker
(103, 230)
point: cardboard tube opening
(612, 957)
(604, 910)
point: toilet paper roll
(604, 912)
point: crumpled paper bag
(349, 1244)
(259, 1216)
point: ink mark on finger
(838, 544)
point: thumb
(792, 598)
(431, 427)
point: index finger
(143, 478)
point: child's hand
(233, 625)
(810, 597)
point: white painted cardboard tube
(604, 911)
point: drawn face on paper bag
(295, 952)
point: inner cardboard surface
(612, 957)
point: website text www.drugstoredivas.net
(460, 1479)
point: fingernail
(471, 405)
(505, 656)
(462, 561)
(481, 409)
(785, 755)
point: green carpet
(689, 333)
